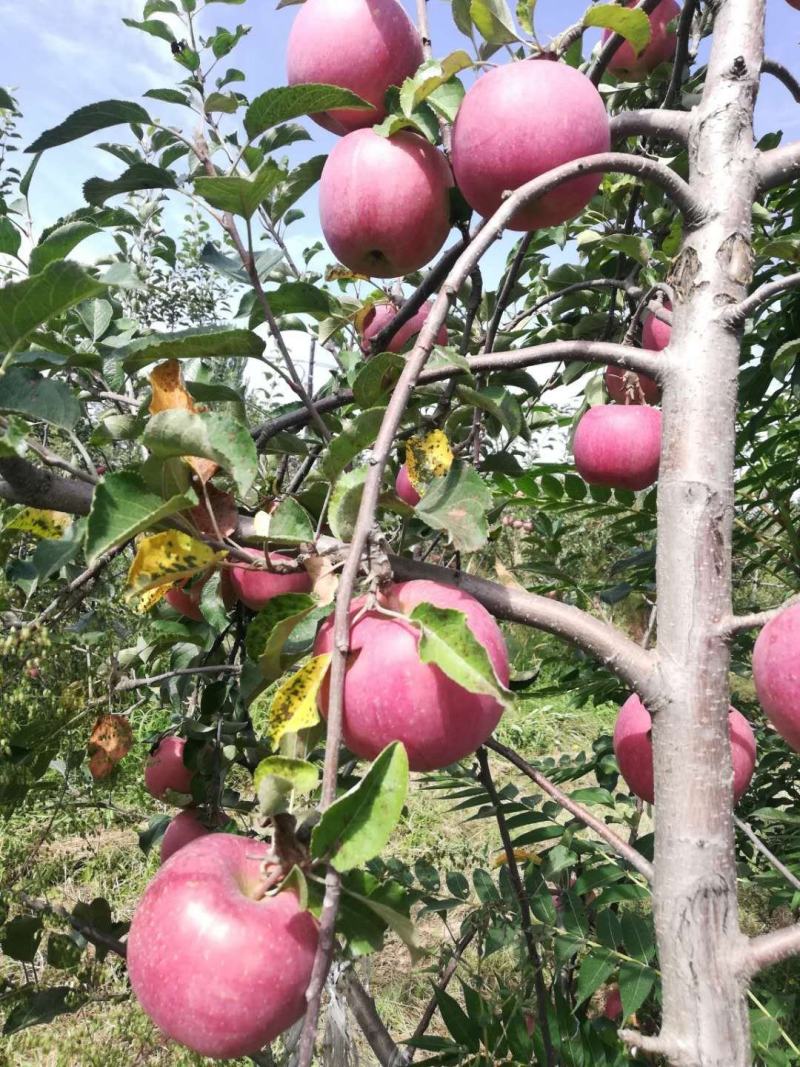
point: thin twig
(781, 868)
(739, 313)
(784, 75)
(737, 624)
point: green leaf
(168, 96)
(432, 75)
(155, 27)
(595, 971)
(784, 360)
(137, 177)
(290, 102)
(458, 504)
(357, 436)
(20, 938)
(240, 196)
(633, 25)
(345, 502)
(300, 180)
(26, 392)
(51, 555)
(357, 826)
(159, 7)
(447, 641)
(123, 506)
(494, 21)
(525, 10)
(212, 435)
(226, 103)
(290, 522)
(201, 343)
(270, 630)
(302, 775)
(635, 986)
(10, 237)
(391, 917)
(90, 119)
(498, 402)
(298, 298)
(59, 243)
(462, 1029)
(377, 378)
(637, 934)
(29, 304)
(42, 1006)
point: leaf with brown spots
(427, 458)
(110, 741)
(161, 561)
(294, 706)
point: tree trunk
(705, 1020)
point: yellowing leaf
(521, 855)
(45, 524)
(164, 559)
(169, 389)
(110, 741)
(294, 706)
(427, 458)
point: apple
(384, 203)
(185, 827)
(256, 588)
(794, 3)
(186, 601)
(618, 446)
(165, 769)
(404, 489)
(380, 315)
(633, 748)
(626, 64)
(362, 45)
(776, 672)
(612, 1007)
(217, 965)
(522, 120)
(656, 334)
(628, 387)
(391, 695)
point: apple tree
(307, 579)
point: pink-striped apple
(216, 964)
(391, 695)
(380, 315)
(362, 45)
(404, 489)
(185, 827)
(519, 121)
(776, 672)
(165, 770)
(633, 748)
(618, 446)
(384, 203)
(656, 334)
(627, 65)
(255, 588)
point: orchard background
(188, 379)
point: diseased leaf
(427, 458)
(294, 706)
(40, 523)
(458, 504)
(162, 560)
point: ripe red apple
(627, 387)
(519, 121)
(794, 3)
(655, 333)
(618, 446)
(612, 1008)
(391, 695)
(404, 489)
(626, 64)
(186, 601)
(217, 965)
(165, 769)
(362, 45)
(776, 672)
(381, 315)
(384, 203)
(187, 826)
(633, 748)
(256, 588)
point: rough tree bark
(705, 1020)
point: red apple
(626, 64)
(185, 827)
(165, 769)
(384, 203)
(256, 588)
(218, 966)
(618, 446)
(776, 672)
(522, 120)
(405, 490)
(628, 387)
(656, 334)
(391, 695)
(612, 1008)
(362, 45)
(794, 3)
(633, 748)
(380, 315)
(186, 601)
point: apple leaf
(123, 506)
(427, 458)
(458, 504)
(295, 881)
(201, 343)
(289, 522)
(345, 502)
(294, 706)
(494, 21)
(211, 435)
(163, 559)
(240, 196)
(270, 629)
(447, 641)
(595, 971)
(40, 523)
(88, 120)
(292, 101)
(137, 177)
(631, 24)
(301, 775)
(377, 379)
(356, 436)
(401, 924)
(26, 305)
(26, 392)
(356, 827)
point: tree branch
(372, 1026)
(681, 52)
(599, 639)
(504, 296)
(779, 166)
(23, 483)
(96, 937)
(738, 624)
(769, 949)
(784, 75)
(759, 845)
(322, 960)
(629, 854)
(660, 125)
(739, 313)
